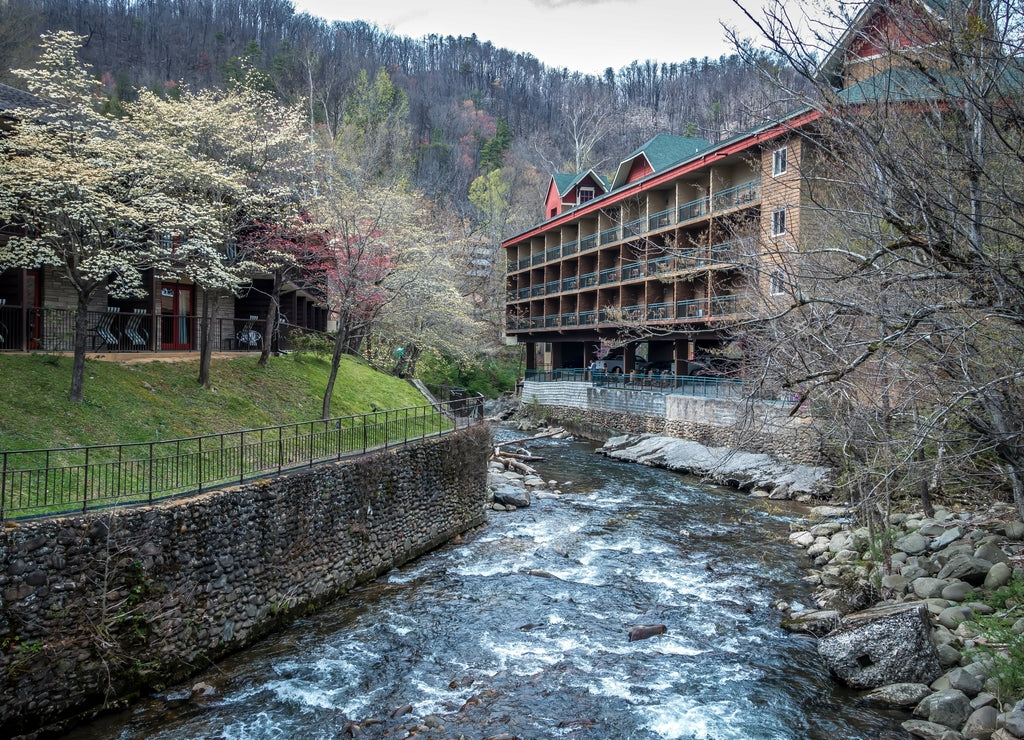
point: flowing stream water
(522, 628)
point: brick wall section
(154, 594)
(600, 413)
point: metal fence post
(150, 472)
(85, 486)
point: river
(522, 628)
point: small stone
(984, 699)
(949, 656)
(952, 616)
(999, 575)
(980, 724)
(946, 538)
(928, 588)
(957, 591)
(913, 543)
(1013, 722)
(925, 730)
(966, 682)
(898, 695)
(949, 707)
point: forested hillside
(472, 107)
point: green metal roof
(665, 150)
(564, 182)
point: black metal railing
(58, 481)
(28, 329)
(685, 385)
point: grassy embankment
(160, 400)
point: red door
(176, 319)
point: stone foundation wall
(600, 413)
(103, 605)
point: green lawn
(159, 400)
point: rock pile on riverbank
(901, 615)
(511, 481)
(743, 470)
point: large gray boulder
(882, 646)
(510, 495)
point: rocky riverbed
(906, 615)
(897, 611)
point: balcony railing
(660, 220)
(633, 270)
(734, 197)
(569, 284)
(589, 280)
(609, 235)
(694, 309)
(694, 209)
(611, 275)
(739, 195)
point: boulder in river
(643, 631)
(881, 646)
(509, 495)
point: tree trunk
(205, 342)
(81, 338)
(273, 311)
(339, 348)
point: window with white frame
(777, 282)
(780, 161)
(586, 194)
(778, 221)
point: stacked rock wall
(103, 605)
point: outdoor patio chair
(248, 336)
(137, 336)
(104, 329)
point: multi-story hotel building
(664, 255)
(661, 254)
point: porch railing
(56, 481)
(28, 329)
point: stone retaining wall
(601, 413)
(101, 606)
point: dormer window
(586, 193)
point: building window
(777, 282)
(779, 161)
(779, 222)
(586, 194)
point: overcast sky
(583, 35)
